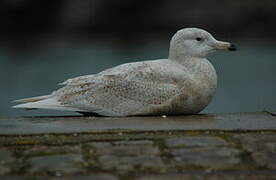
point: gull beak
(220, 45)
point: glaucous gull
(184, 83)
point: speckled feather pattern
(141, 88)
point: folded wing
(121, 91)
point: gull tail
(43, 102)
(31, 99)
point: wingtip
(22, 106)
(16, 106)
(31, 99)
(17, 101)
(61, 84)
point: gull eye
(199, 39)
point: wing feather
(121, 91)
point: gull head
(195, 42)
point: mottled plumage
(182, 84)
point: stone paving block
(224, 176)
(95, 176)
(141, 142)
(214, 158)
(44, 150)
(14, 178)
(131, 163)
(56, 164)
(261, 146)
(129, 155)
(101, 146)
(126, 148)
(6, 157)
(195, 141)
(4, 170)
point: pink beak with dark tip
(220, 45)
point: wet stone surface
(203, 152)
(199, 176)
(70, 124)
(43, 150)
(132, 163)
(141, 155)
(126, 148)
(133, 156)
(129, 156)
(261, 147)
(56, 164)
(207, 158)
(6, 158)
(200, 141)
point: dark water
(247, 78)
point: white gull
(182, 84)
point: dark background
(44, 42)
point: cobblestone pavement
(140, 155)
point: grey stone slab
(51, 150)
(13, 178)
(234, 121)
(56, 164)
(262, 148)
(140, 142)
(194, 141)
(94, 176)
(102, 176)
(126, 149)
(125, 156)
(131, 163)
(4, 170)
(215, 158)
(6, 157)
(252, 175)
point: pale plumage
(182, 84)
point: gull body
(184, 83)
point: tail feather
(31, 99)
(43, 102)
